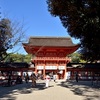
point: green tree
(16, 57)
(76, 58)
(81, 19)
(27, 58)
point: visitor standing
(9, 79)
(26, 78)
(47, 79)
(54, 77)
(77, 77)
(33, 78)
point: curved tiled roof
(14, 65)
(84, 65)
(51, 41)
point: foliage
(76, 58)
(18, 58)
(11, 34)
(81, 19)
(27, 58)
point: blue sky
(37, 20)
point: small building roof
(84, 65)
(14, 65)
(50, 41)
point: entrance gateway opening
(49, 54)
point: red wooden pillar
(21, 73)
(57, 68)
(44, 71)
(65, 72)
(36, 67)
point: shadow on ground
(9, 93)
(81, 88)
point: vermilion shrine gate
(49, 54)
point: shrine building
(49, 54)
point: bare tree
(11, 35)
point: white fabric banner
(61, 67)
(40, 67)
(51, 67)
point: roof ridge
(50, 37)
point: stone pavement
(61, 90)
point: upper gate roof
(51, 41)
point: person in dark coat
(9, 79)
(77, 77)
(27, 78)
(33, 78)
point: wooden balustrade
(51, 58)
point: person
(77, 76)
(47, 79)
(54, 77)
(33, 78)
(93, 78)
(18, 80)
(9, 79)
(26, 78)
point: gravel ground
(61, 90)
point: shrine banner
(61, 67)
(40, 67)
(51, 67)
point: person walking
(33, 78)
